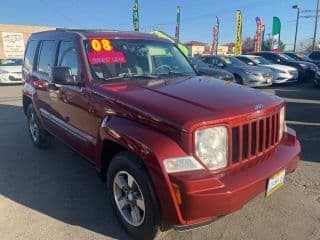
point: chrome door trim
(67, 127)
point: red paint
(157, 122)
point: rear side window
(46, 56)
(30, 53)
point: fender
(152, 148)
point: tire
(238, 79)
(130, 189)
(39, 137)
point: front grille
(254, 138)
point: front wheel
(133, 198)
(238, 79)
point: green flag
(276, 29)
(177, 26)
(136, 16)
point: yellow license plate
(275, 182)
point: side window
(205, 60)
(315, 55)
(45, 57)
(215, 61)
(67, 57)
(29, 55)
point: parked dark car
(244, 74)
(306, 70)
(205, 69)
(174, 148)
(302, 57)
(315, 56)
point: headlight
(212, 147)
(181, 164)
(282, 122)
(303, 65)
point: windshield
(260, 60)
(231, 61)
(286, 57)
(10, 62)
(198, 62)
(303, 57)
(120, 59)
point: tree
(268, 45)
(248, 45)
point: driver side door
(70, 102)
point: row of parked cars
(253, 69)
(261, 69)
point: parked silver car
(282, 73)
(10, 71)
(244, 74)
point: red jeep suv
(175, 148)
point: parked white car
(10, 70)
(282, 73)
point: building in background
(226, 49)
(13, 39)
(195, 48)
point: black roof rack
(86, 30)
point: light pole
(297, 25)
(315, 27)
(218, 29)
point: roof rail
(86, 30)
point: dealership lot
(56, 194)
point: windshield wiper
(130, 75)
(174, 73)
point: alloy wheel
(129, 198)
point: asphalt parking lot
(56, 194)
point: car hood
(309, 64)
(15, 69)
(280, 67)
(216, 72)
(185, 102)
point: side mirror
(220, 65)
(250, 63)
(62, 75)
(278, 60)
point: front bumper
(285, 77)
(258, 81)
(10, 79)
(206, 196)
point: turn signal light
(177, 192)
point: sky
(197, 16)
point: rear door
(40, 77)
